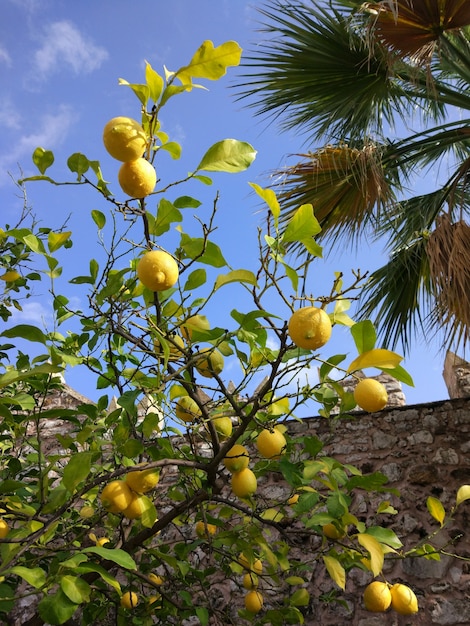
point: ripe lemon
(156, 579)
(377, 597)
(293, 499)
(136, 508)
(195, 322)
(209, 362)
(4, 529)
(404, 600)
(223, 425)
(157, 270)
(101, 541)
(124, 138)
(142, 481)
(253, 601)
(370, 395)
(309, 328)
(244, 483)
(254, 565)
(187, 409)
(137, 178)
(332, 532)
(236, 458)
(203, 530)
(250, 581)
(129, 600)
(271, 443)
(116, 496)
(10, 276)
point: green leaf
(436, 509)
(141, 91)
(336, 571)
(385, 535)
(463, 493)
(209, 62)
(302, 225)
(400, 374)
(78, 163)
(56, 240)
(375, 551)
(43, 159)
(105, 575)
(377, 357)
(195, 280)
(77, 469)
(173, 148)
(167, 214)
(235, 276)
(364, 336)
(155, 82)
(202, 250)
(34, 244)
(271, 200)
(301, 597)
(25, 331)
(99, 218)
(203, 615)
(228, 155)
(75, 588)
(34, 576)
(186, 202)
(116, 555)
(56, 609)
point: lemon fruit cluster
(370, 395)
(187, 409)
(380, 596)
(204, 530)
(126, 141)
(125, 497)
(309, 328)
(243, 482)
(254, 569)
(157, 270)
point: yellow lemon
(175, 346)
(4, 528)
(271, 443)
(156, 579)
(404, 600)
(157, 270)
(142, 481)
(377, 597)
(253, 601)
(10, 276)
(293, 499)
(203, 530)
(137, 178)
(236, 458)
(244, 483)
(101, 541)
(370, 395)
(250, 581)
(187, 409)
(116, 496)
(129, 600)
(195, 322)
(124, 138)
(136, 508)
(209, 362)
(254, 565)
(223, 425)
(309, 328)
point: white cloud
(4, 56)
(33, 312)
(64, 45)
(49, 132)
(9, 116)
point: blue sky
(59, 66)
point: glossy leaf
(56, 609)
(436, 509)
(202, 250)
(463, 493)
(116, 555)
(271, 200)
(375, 551)
(335, 570)
(34, 576)
(75, 588)
(99, 218)
(364, 336)
(155, 82)
(378, 357)
(43, 159)
(57, 240)
(228, 155)
(209, 62)
(77, 469)
(235, 276)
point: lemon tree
(153, 495)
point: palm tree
(384, 88)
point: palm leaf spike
(346, 186)
(448, 252)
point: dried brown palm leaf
(345, 186)
(412, 27)
(448, 251)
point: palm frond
(346, 187)
(396, 294)
(319, 74)
(448, 253)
